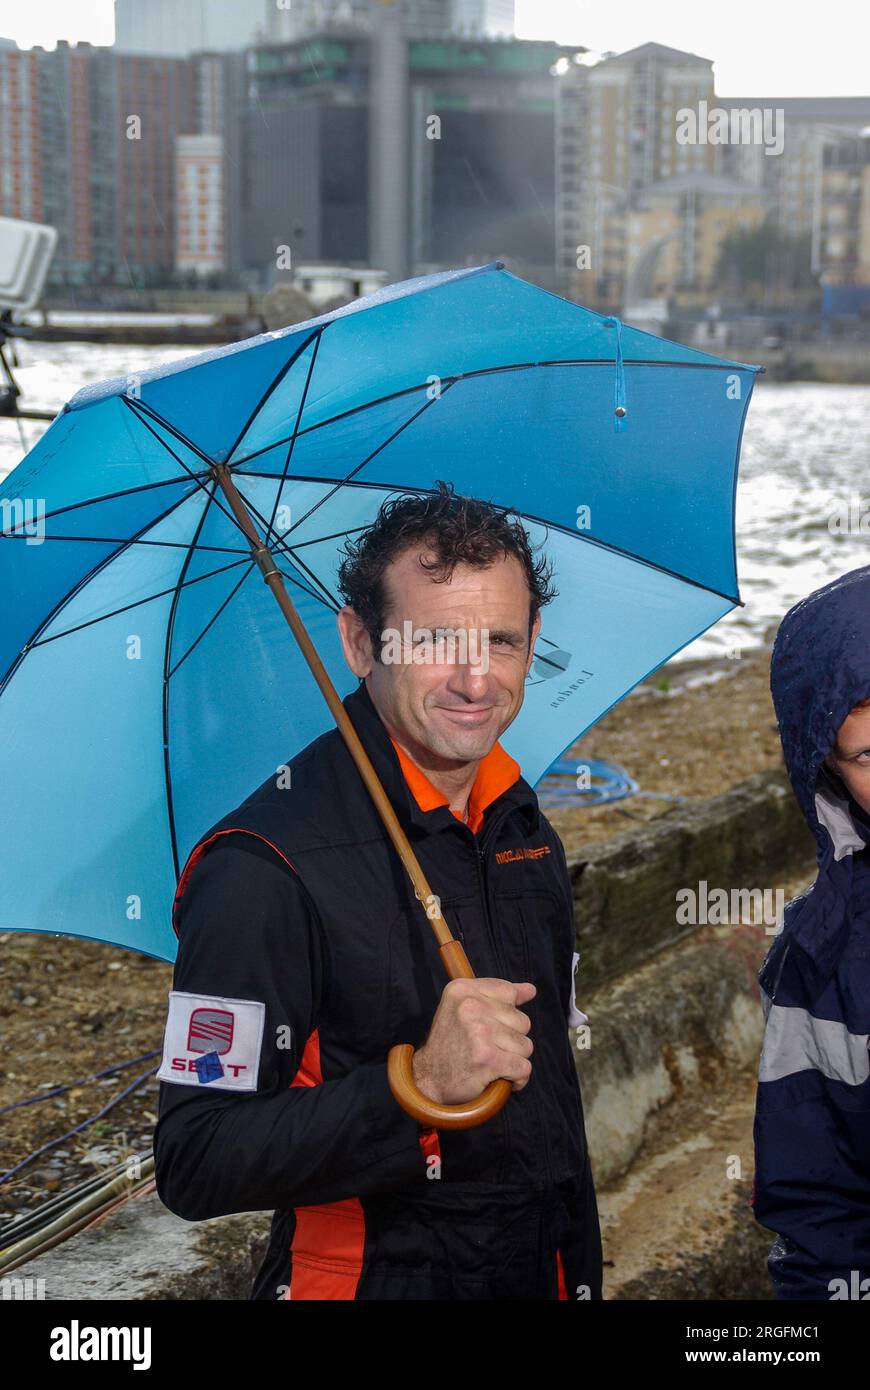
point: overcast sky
(773, 47)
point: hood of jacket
(820, 670)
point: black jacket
(303, 957)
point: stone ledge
(752, 836)
(682, 1023)
(144, 1252)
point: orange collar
(495, 773)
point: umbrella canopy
(148, 682)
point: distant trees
(765, 258)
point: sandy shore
(71, 1008)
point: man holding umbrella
(304, 957)
(314, 924)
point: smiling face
(850, 757)
(452, 702)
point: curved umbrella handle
(400, 1075)
(432, 1113)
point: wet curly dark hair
(457, 529)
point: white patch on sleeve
(211, 1042)
(575, 1017)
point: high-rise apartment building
(88, 145)
(843, 235)
(199, 203)
(22, 193)
(616, 133)
(219, 102)
(440, 149)
(65, 160)
(155, 103)
(792, 179)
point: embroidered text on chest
(509, 856)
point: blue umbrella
(129, 722)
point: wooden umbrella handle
(399, 1062)
(433, 1113)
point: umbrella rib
(137, 603)
(140, 410)
(212, 620)
(107, 497)
(210, 494)
(170, 626)
(85, 579)
(375, 485)
(281, 546)
(342, 482)
(279, 489)
(273, 385)
(126, 541)
(630, 555)
(451, 380)
(315, 540)
(138, 407)
(294, 579)
(143, 410)
(446, 383)
(329, 602)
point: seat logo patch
(212, 1042)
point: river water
(803, 499)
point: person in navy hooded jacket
(812, 1117)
